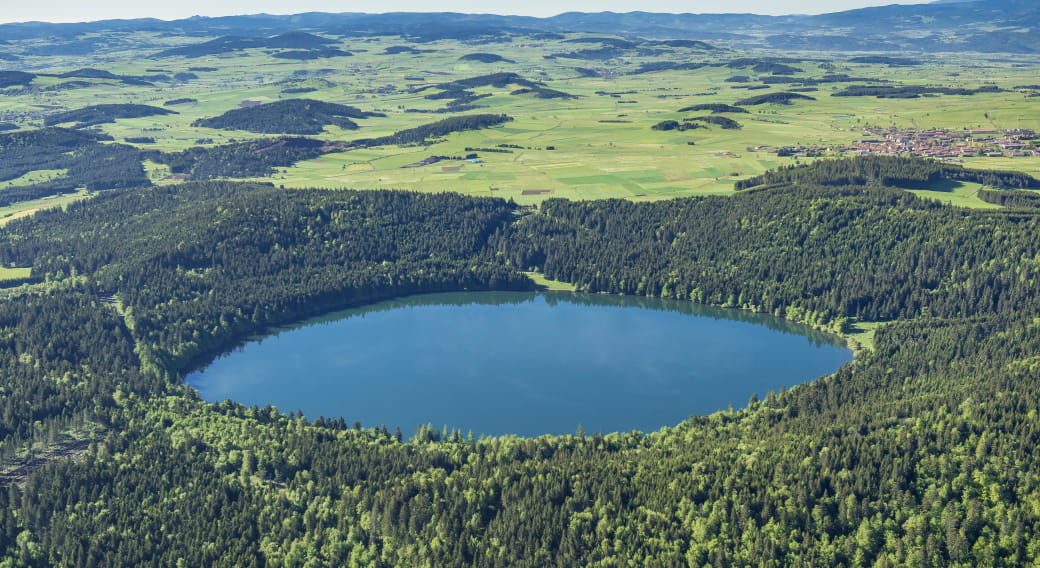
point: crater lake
(521, 363)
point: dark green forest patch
(880, 171)
(424, 134)
(597, 54)
(684, 43)
(1011, 199)
(459, 100)
(713, 107)
(910, 92)
(674, 125)
(543, 93)
(311, 54)
(226, 44)
(611, 41)
(655, 66)
(89, 73)
(722, 121)
(139, 81)
(463, 97)
(15, 78)
(104, 113)
(885, 60)
(780, 98)
(586, 72)
(775, 67)
(256, 158)
(290, 116)
(485, 58)
(181, 101)
(498, 80)
(398, 49)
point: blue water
(521, 363)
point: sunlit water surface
(521, 363)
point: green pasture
(7, 274)
(26, 208)
(548, 284)
(957, 193)
(33, 177)
(861, 336)
(603, 142)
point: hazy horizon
(67, 11)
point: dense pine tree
(921, 452)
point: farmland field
(598, 143)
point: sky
(84, 11)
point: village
(937, 143)
(940, 143)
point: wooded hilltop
(920, 452)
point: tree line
(290, 116)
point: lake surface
(521, 363)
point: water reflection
(521, 363)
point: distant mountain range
(989, 26)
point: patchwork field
(599, 143)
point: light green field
(548, 284)
(13, 273)
(861, 337)
(622, 157)
(26, 208)
(960, 194)
(37, 176)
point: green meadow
(26, 208)
(597, 145)
(957, 193)
(13, 273)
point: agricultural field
(596, 143)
